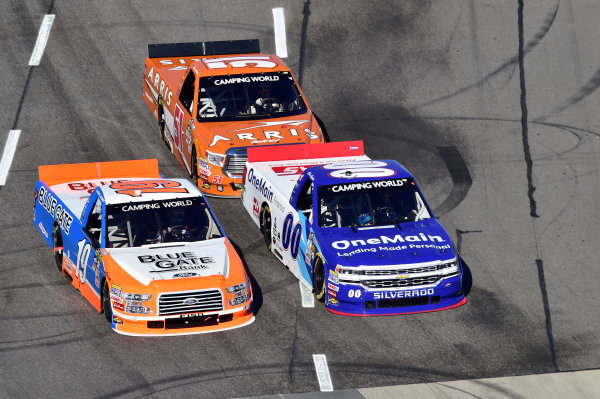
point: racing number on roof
(290, 239)
(360, 169)
(137, 188)
(256, 61)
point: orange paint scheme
(198, 128)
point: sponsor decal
(154, 79)
(333, 287)
(403, 294)
(332, 293)
(278, 204)
(217, 179)
(117, 320)
(290, 170)
(398, 238)
(156, 205)
(333, 277)
(186, 274)
(245, 79)
(176, 261)
(260, 184)
(255, 207)
(332, 301)
(367, 185)
(206, 185)
(43, 230)
(204, 166)
(51, 205)
(119, 306)
(89, 187)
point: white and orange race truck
(144, 250)
(213, 100)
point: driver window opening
(304, 203)
(94, 222)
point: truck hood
(173, 260)
(414, 242)
(294, 129)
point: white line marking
(7, 156)
(308, 300)
(42, 39)
(280, 39)
(323, 373)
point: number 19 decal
(291, 239)
(83, 256)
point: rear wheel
(265, 226)
(319, 279)
(106, 308)
(57, 246)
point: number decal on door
(84, 248)
(290, 238)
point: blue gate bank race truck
(357, 232)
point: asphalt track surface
(492, 105)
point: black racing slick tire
(57, 246)
(265, 226)
(106, 308)
(319, 279)
(194, 167)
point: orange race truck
(144, 250)
(213, 100)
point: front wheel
(194, 167)
(106, 308)
(57, 246)
(265, 226)
(319, 280)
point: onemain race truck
(356, 231)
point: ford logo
(191, 301)
(188, 274)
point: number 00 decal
(291, 239)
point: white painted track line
(42, 39)
(280, 39)
(323, 373)
(7, 156)
(308, 300)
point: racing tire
(194, 167)
(161, 123)
(106, 308)
(322, 126)
(265, 226)
(57, 243)
(319, 280)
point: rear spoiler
(305, 151)
(203, 48)
(57, 174)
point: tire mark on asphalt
(461, 179)
(304, 34)
(532, 204)
(510, 63)
(590, 87)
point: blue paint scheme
(404, 245)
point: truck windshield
(370, 203)
(142, 223)
(250, 96)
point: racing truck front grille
(398, 277)
(235, 160)
(190, 302)
(409, 282)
